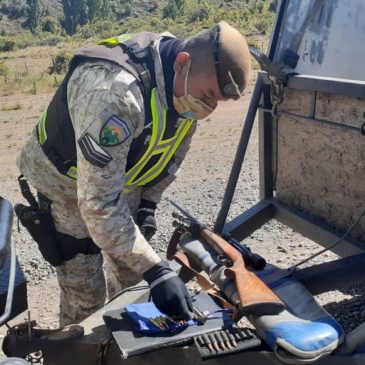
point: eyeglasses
(231, 88)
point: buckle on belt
(135, 50)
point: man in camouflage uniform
(107, 109)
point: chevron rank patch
(114, 132)
(93, 152)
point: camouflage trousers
(84, 288)
(87, 280)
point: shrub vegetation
(84, 22)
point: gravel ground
(199, 189)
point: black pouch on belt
(38, 226)
(68, 246)
(55, 247)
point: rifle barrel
(183, 211)
(252, 259)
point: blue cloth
(304, 336)
(141, 312)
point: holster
(38, 227)
(55, 247)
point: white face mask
(188, 106)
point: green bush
(22, 40)
(262, 21)
(197, 12)
(27, 39)
(99, 29)
(60, 63)
(173, 9)
(51, 40)
(51, 25)
(7, 45)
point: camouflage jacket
(95, 205)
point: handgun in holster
(39, 224)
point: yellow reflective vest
(147, 164)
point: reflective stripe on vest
(115, 41)
(72, 172)
(42, 133)
(158, 145)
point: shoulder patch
(114, 132)
(93, 152)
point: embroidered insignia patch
(93, 152)
(114, 132)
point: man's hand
(146, 220)
(168, 291)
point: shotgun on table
(254, 295)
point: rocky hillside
(15, 15)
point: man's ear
(182, 58)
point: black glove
(146, 220)
(168, 291)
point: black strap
(140, 58)
(134, 50)
(44, 204)
(144, 76)
(27, 194)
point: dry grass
(27, 70)
(7, 108)
(28, 83)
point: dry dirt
(200, 188)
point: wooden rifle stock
(254, 295)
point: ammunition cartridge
(207, 342)
(214, 342)
(220, 341)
